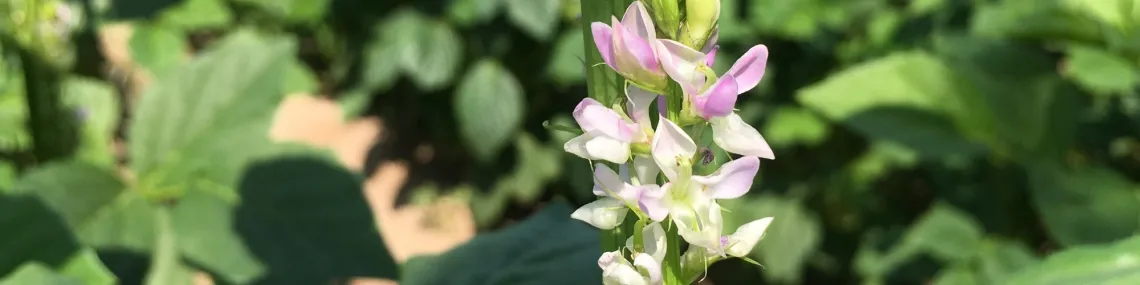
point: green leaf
(166, 267)
(1034, 19)
(7, 176)
(1101, 71)
(293, 11)
(790, 126)
(428, 51)
(158, 49)
(795, 18)
(35, 273)
(946, 233)
(1114, 264)
(793, 237)
(75, 190)
(203, 225)
(97, 108)
(470, 12)
(192, 15)
(548, 248)
(567, 67)
(1110, 12)
(536, 166)
(381, 64)
(86, 266)
(196, 128)
(1084, 206)
(299, 79)
(917, 108)
(929, 135)
(36, 233)
(537, 18)
(957, 275)
(306, 218)
(489, 106)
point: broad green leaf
(537, 18)
(790, 126)
(568, 67)
(1113, 264)
(489, 105)
(946, 233)
(428, 50)
(299, 79)
(158, 49)
(929, 135)
(1101, 71)
(794, 235)
(1034, 19)
(536, 166)
(1014, 98)
(917, 108)
(97, 108)
(294, 11)
(35, 273)
(469, 12)
(1084, 206)
(792, 18)
(1110, 12)
(999, 259)
(77, 191)
(86, 266)
(13, 108)
(7, 176)
(197, 127)
(166, 267)
(381, 65)
(548, 248)
(33, 232)
(189, 15)
(204, 227)
(957, 275)
(127, 223)
(306, 218)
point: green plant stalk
(602, 83)
(671, 269)
(53, 127)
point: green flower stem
(638, 236)
(671, 269)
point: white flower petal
(732, 180)
(647, 170)
(746, 236)
(734, 135)
(648, 267)
(577, 146)
(606, 213)
(639, 104)
(670, 143)
(608, 149)
(700, 225)
(622, 274)
(606, 181)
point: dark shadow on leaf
(308, 222)
(548, 248)
(32, 232)
(931, 135)
(130, 267)
(137, 9)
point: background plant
(945, 141)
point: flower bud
(667, 15)
(700, 21)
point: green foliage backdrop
(917, 141)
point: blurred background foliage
(918, 141)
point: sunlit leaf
(791, 125)
(568, 65)
(1114, 264)
(489, 106)
(1084, 206)
(1101, 71)
(197, 14)
(794, 235)
(468, 12)
(296, 11)
(35, 273)
(547, 248)
(538, 18)
(96, 106)
(428, 50)
(157, 48)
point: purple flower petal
(732, 180)
(629, 46)
(710, 56)
(606, 181)
(749, 69)
(604, 40)
(649, 201)
(681, 62)
(637, 20)
(719, 99)
(596, 119)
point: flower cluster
(624, 134)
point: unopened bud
(666, 15)
(700, 21)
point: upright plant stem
(53, 128)
(602, 83)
